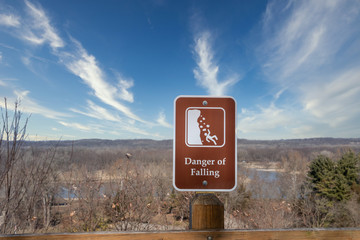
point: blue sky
(112, 69)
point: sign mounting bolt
(205, 183)
(205, 103)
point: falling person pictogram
(210, 138)
(204, 127)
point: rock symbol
(204, 127)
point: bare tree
(41, 187)
(27, 177)
(130, 197)
(295, 166)
(13, 134)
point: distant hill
(126, 143)
(303, 142)
(167, 144)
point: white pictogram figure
(210, 138)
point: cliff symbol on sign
(205, 127)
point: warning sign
(204, 144)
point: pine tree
(329, 188)
(348, 167)
(321, 174)
(333, 181)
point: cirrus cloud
(206, 72)
(309, 50)
(9, 20)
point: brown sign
(205, 156)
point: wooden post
(206, 212)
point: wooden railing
(295, 234)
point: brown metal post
(206, 212)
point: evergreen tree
(322, 175)
(348, 167)
(334, 180)
(329, 188)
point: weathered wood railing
(293, 234)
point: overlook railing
(274, 234)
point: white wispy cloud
(9, 47)
(107, 126)
(77, 126)
(85, 66)
(267, 119)
(206, 72)
(162, 120)
(123, 87)
(31, 106)
(136, 130)
(39, 30)
(95, 111)
(301, 36)
(310, 51)
(9, 20)
(336, 101)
